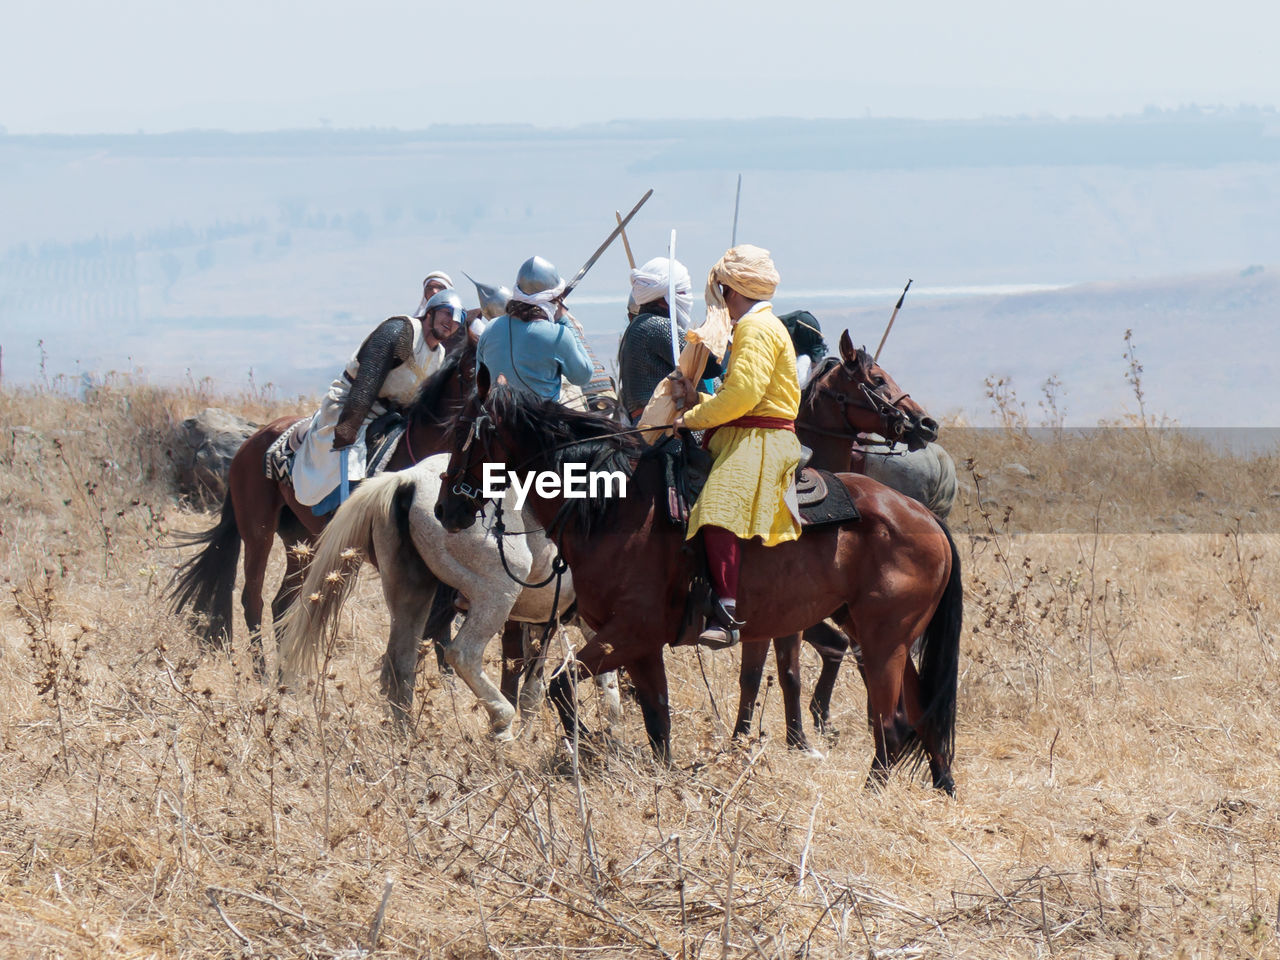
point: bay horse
(887, 578)
(256, 509)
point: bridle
(894, 417)
(457, 479)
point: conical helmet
(536, 275)
(493, 300)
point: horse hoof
(503, 734)
(811, 753)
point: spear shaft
(892, 317)
(626, 244)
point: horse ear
(847, 351)
(482, 382)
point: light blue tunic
(534, 356)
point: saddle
(380, 440)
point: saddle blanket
(823, 499)
(278, 461)
(279, 458)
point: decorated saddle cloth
(599, 396)
(382, 437)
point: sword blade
(591, 261)
(671, 300)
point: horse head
(471, 441)
(867, 400)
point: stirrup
(721, 631)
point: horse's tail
(331, 574)
(940, 659)
(205, 583)
(943, 495)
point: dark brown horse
(257, 508)
(847, 396)
(887, 578)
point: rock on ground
(202, 452)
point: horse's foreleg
(606, 686)
(754, 654)
(649, 675)
(787, 653)
(610, 698)
(832, 646)
(486, 618)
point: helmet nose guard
(450, 299)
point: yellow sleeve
(754, 357)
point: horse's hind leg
(939, 766)
(512, 659)
(291, 533)
(257, 534)
(753, 657)
(832, 646)
(439, 629)
(533, 650)
(408, 590)
(882, 669)
(787, 653)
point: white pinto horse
(390, 520)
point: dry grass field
(1118, 756)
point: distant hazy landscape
(1034, 244)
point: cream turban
(745, 268)
(436, 276)
(649, 282)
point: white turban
(544, 301)
(651, 282)
(436, 276)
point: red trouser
(724, 557)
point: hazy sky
(93, 66)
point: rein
(558, 569)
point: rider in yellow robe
(753, 418)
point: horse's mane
(566, 436)
(825, 366)
(426, 405)
(809, 393)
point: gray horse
(927, 475)
(391, 520)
